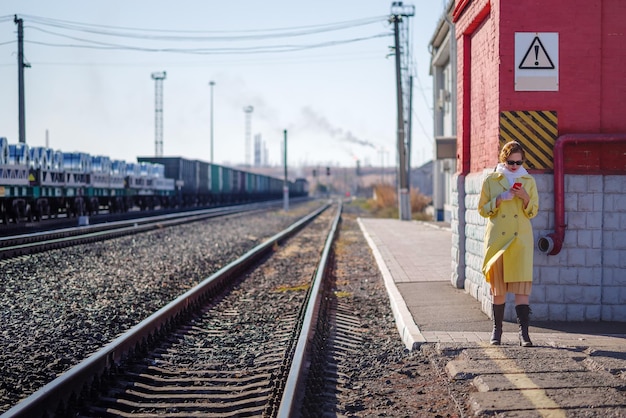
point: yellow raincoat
(509, 232)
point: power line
(102, 32)
(201, 51)
(200, 36)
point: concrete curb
(409, 331)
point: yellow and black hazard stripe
(536, 130)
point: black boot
(497, 311)
(523, 312)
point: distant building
(422, 178)
(260, 152)
(443, 69)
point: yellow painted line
(517, 377)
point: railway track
(14, 246)
(237, 344)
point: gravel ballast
(60, 306)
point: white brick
(571, 202)
(546, 201)
(576, 220)
(593, 313)
(554, 294)
(611, 295)
(614, 276)
(591, 276)
(592, 295)
(607, 312)
(571, 238)
(585, 201)
(614, 313)
(557, 312)
(611, 258)
(576, 183)
(612, 221)
(539, 293)
(575, 257)
(594, 220)
(584, 239)
(539, 222)
(596, 184)
(540, 311)
(617, 240)
(597, 238)
(619, 203)
(593, 257)
(614, 184)
(545, 183)
(568, 275)
(575, 312)
(609, 203)
(549, 275)
(598, 202)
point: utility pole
(211, 83)
(285, 182)
(409, 135)
(248, 111)
(158, 112)
(20, 77)
(399, 11)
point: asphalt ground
(574, 369)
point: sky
(330, 84)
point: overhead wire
(198, 35)
(93, 44)
(99, 37)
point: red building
(551, 75)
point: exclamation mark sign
(536, 55)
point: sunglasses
(510, 162)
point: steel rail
(7, 241)
(84, 234)
(52, 399)
(294, 390)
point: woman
(509, 200)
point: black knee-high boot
(523, 313)
(497, 311)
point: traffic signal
(314, 173)
(328, 171)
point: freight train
(38, 183)
(199, 183)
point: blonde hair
(511, 148)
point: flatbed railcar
(41, 182)
(199, 183)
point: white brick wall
(586, 281)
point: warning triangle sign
(536, 58)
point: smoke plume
(318, 122)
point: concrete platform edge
(410, 333)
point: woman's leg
(521, 299)
(522, 309)
(498, 298)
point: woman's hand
(522, 194)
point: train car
(204, 184)
(300, 187)
(40, 182)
